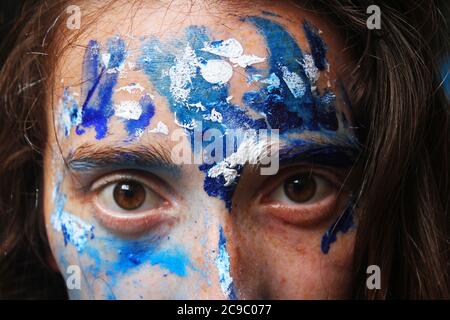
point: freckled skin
(269, 258)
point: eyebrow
(92, 157)
(338, 153)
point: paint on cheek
(131, 255)
(223, 267)
(100, 75)
(74, 229)
(343, 224)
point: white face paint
(130, 110)
(216, 71)
(294, 82)
(247, 60)
(230, 48)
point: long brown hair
(399, 107)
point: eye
(130, 204)
(302, 197)
(302, 188)
(129, 195)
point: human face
(131, 201)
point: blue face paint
(75, 231)
(288, 99)
(317, 46)
(342, 224)
(338, 156)
(71, 113)
(223, 267)
(293, 105)
(99, 81)
(136, 127)
(190, 96)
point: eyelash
(305, 214)
(133, 222)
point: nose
(211, 252)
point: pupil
(129, 195)
(300, 188)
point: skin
(274, 245)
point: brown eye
(129, 195)
(300, 188)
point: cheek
(276, 261)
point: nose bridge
(214, 246)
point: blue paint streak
(222, 245)
(135, 254)
(278, 107)
(175, 260)
(331, 155)
(284, 111)
(317, 45)
(98, 85)
(342, 224)
(71, 110)
(159, 57)
(148, 111)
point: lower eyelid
(135, 223)
(304, 215)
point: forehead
(133, 76)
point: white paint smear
(130, 110)
(133, 87)
(223, 268)
(182, 73)
(310, 68)
(230, 48)
(215, 116)
(216, 71)
(76, 230)
(294, 82)
(250, 151)
(273, 81)
(105, 59)
(161, 128)
(198, 106)
(247, 60)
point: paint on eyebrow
(343, 224)
(288, 99)
(223, 267)
(317, 45)
(323, 154)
